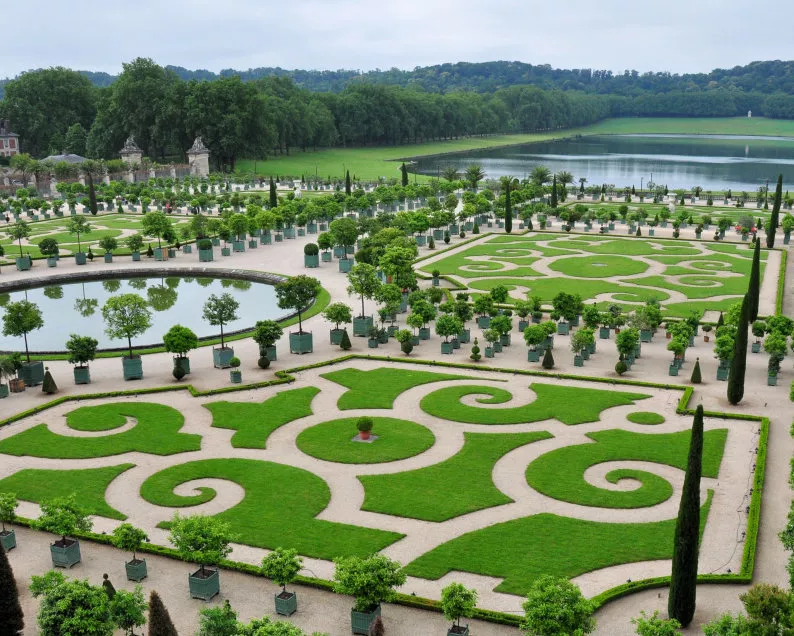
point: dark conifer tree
(348, 185)
(683, 582)
(273, 194)
(696, 377)
(11, 618)
(720, 320)
(159, 620)
(739, 362)
(548, 360)
(508, 207)
(554, 191)
(754, 286)
(775, 217)
(404, 175)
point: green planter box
(722, 373)
(603, 333)
(32, 373)
(3, 391)
(289, 232)
(339, 251)
(311, 260)
(65, 556)
(522, 325)
(464, 337)
(252, 244)
(160, 254)
(489, 352)
(446, 347)
(52, 262)
(424, 333)
(421, 240)
(458, 630)
(645, 335)
(183, 363)
(301, 342)
(238, 246)
(483, 322)
(108, 258)
(23, 263)
(336, 336)
(136, 256)
(226, 251)
(504, 340)
(171, 253)
(80, 258)
(533, 356)
(301, 231)
(205, 256)
(136, 570)
(187, 249)
(269, 353)
(563, 328)
(204, 588)
(755, 347)
(455, 343)
(497, 347)
(372, 343)
(345, 265)
(216, 241)
(360, 622)
(672, 370)
(578, 361)
(362, 325)
(771, 380)
(286, 603)
(8, 540)
(436, 282)
(82, 375)
(235, 376)
(133, 368)
(311, 228)
(327, 257)
(415, 340)
(221, 357)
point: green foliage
(12, 619)
(739, 361)
(218, 621)
(62, 516)
(48, 247)
(548, 360)
(370, 580)
(126, 316)
(127, 608)
(364, 282)
(458, 601)
(48, 385)
(75, 607)
(338, 313)
(201, 539)
(655, 626)
(82, 349)
(180, 340)
(475, 351)
(128, 538)
(621, 367)
(696, 378)
(135, 242)
(20, 318)
(645, 417)
(344, 343)
(157, 225)
(555, 607)
(297, 293)
(266, 333)
(220, 310)
(282, 566)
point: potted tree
(363, 282)
(759, 329)
(238, 226)
(203, 540)
(372, 337)
(448, 325)
(311, 256)
(129, 538)
(108, 243)
(20, 318)
(82, 350)
(371, 581)
(20, 230)
(79, 225)
(503, 324)
(157, 225)
(298, 293)
(235, 375)
(579, 342)
(134, 244)
(344, 232)
(49, 248)
(364, 425)
(458, 601)
(775, 345)
(483, 306)
(492, 338)
(427, 312)
(205, 250)
(338, 313)
(325, 243)
(706, 332)
(63, 517)
(180, 340)
(266, 334)
(404, 337)
(534, 336)
(436, 280)
(8, 506)
(8, 369)
(218, 311)
(282, 566)
(127, 316)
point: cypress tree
(554, 191)
(348, 186)
(683, 582)
(159, 620)
(11, 617)
(548, 360)
(754, 287)
(345, 343)
(273, 195)
(696, 377)
(773, 220)
(404, 175)
(739, 362)
(508, 207)
(48, 385)
(720, 320)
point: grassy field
(645, 417)
(372, 163)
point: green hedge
(781, 282)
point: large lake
(77, 308)
(714, 162)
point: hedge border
(781, 281)
(285, 377)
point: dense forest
(270, 111)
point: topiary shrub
(548, 360)
(345, 343)
(462, 234)
(447, 238)
(431, 244)
(621, 367)
(234, 362)
(204, 244)
(364, 424)
(476, 229)
(263, 362)
(311, 249)
(48, 386)
(475, 351)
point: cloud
(677, 36)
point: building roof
(8, 134)
(67, 158)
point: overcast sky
(674, 35)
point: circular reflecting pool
(77, 308)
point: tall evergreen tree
(773, 220)
(754, 287)
(553, 202)
(348, 185)
(507, 183)
(683, 582)
(404, 175)
(739, 362)
(273, 195)
(11, 617)
(159, 620)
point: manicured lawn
(378, 388)
(396, 439)
(570, 405)
(455, 487)
(560, 473)
(521, 550)
(278, 509)
(89, 484)
(598, 266)
(156, 432)
(255, 422)
(645, 417)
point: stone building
(9, 141)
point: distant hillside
(486, 77)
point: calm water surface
(77, 308)
(713, 162)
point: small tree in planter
(71, 607)
(82, 350)
(109, 244)
(338, 313)
(534, 335)
(448, 325)
(127, 608)
(503, 324)
(157, 225)
(371, 581)
(311, 256)
(579, 342)
(404, 338)
(759, 329)
(134, 244)
(130, 539)
(79, 225)
(282, 566)
(325, 242)
(266, 334)
(180, 340)
(21, 318)
(203, 540)
(363, 282)
(298, 293)
(49, 248)
(483, 307)
(458, 601)
(127, 316)
(8, 506)
(63, 517)
(20, 230)
(235, 375)
(219, 311)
